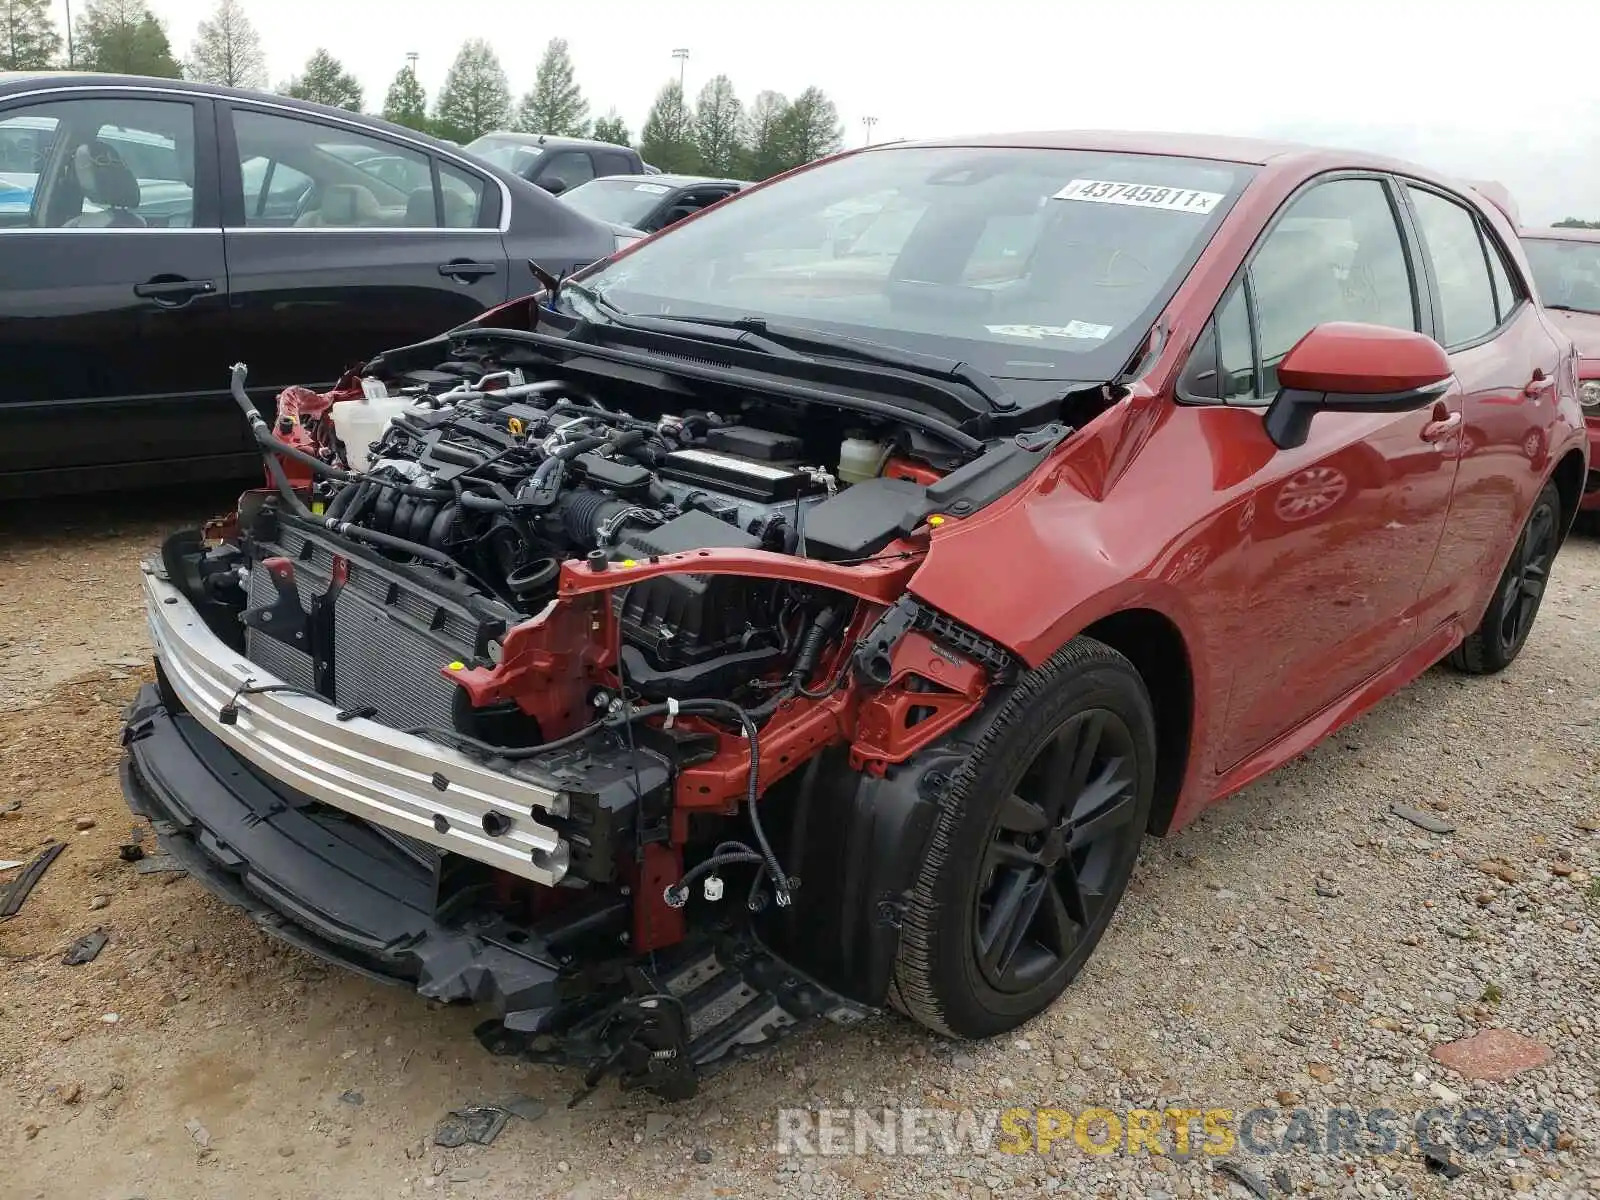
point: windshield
(1028, 264)
(506, 153)
(620, 201)
(1567, 272)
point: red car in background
(762, 626)
(1566, 272)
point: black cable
(677, 894)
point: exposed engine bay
(682, 630)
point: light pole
(869, 122)
(411, 61)
(682, 56)
(72, 63)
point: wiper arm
(1571, 308)
(864, 351)
(711, 330)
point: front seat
(344, 205)
(105, 180)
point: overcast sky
(1469, 87)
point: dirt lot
(1299, 947)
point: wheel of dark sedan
(1033, 850)
(1499, 638)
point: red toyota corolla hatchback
(1566, 273)
(813, 606)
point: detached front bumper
(410, 785)
(333, 887)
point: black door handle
(173, 291)
(464, 269)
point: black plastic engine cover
(680, 619)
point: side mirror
(1343, 366)
(554, 184)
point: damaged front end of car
(573, 695)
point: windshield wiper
(1572, 308)
(681, 326)
(863, 351)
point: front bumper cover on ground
(331, 886)
(341, 889)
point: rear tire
(1022, 877)
(1500, 636)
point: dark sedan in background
(648, 203)
(153, 232)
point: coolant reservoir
(359, 423)
(861, 459)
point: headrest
(349, 204)
(419, 209)
(104, 177)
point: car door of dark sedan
(342, 242)
(113, 289)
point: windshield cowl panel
(1027, 264)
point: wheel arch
(1568, 478)
(1153, 643)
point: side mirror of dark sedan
(553, 184)
(1344, 366)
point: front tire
(1034, 846)
(1500, 636)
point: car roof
(14, 82)
(1561, 234)
(1259, 152)
(670, 181)
(549, 140)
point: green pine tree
(667, 139)
(406, 103)
(811, 128)
(123, 37)
(476, 97)
(28, 37)
(555, 105)
(325, 81)
(765, 154)
(610, 128)
(719, 127)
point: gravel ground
(1300, 947)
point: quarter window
(98, 164)
(1460, 268)
(463, 198)
(1336, 255)
(356, 182)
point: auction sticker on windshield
(1140, 195)
(1072, 329)
(655, 189)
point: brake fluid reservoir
(861, 459)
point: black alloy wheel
(1054, 851)
(1504, 630)
(1526, 576)
(1033, 846)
